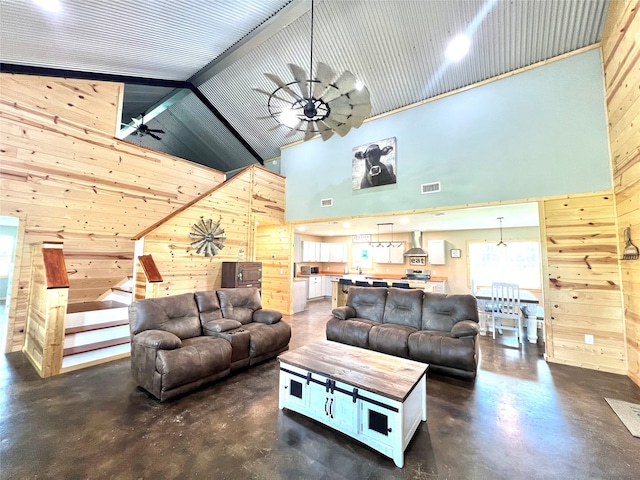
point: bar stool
(400, 285)
(380, 284)
(362, 283)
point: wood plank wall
(251, 199)
(68, 179)
(274, 248)
(583, 294)
(621, 55)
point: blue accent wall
(539, 133)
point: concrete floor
(522, 418)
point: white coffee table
(377, 399)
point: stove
(417, 275)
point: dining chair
(505, 304)
(344, 284)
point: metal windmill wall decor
(209, 237)
(317, 105)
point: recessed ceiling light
(301, 228)
(346, 225)
(404, 221)
(49, 5)
(458, 48)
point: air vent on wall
(430, 187)
(326, 202)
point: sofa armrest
(344, 313)
(157, 339)
(267, 316)
(220, 325)
(465, 328)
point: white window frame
(519, 262)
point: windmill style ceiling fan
(318, 105)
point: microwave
(307, 270)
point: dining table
(529, 304)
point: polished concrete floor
(521, 419)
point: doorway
(8, 244)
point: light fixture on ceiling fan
(318, 105)
(501, 243)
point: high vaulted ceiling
(395, 47)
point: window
(518, 263)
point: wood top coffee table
(375, 398)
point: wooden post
(46, 309)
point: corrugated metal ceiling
(396, 47)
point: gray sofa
(182, 342)
(433, 328)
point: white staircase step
(94, 357)
(95, 336)
(93, 317)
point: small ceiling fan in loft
(143, 129)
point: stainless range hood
(416, 246)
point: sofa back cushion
(441, 311)
(208, 306)
(177, 314)
(368, 302)
(404, 307)
(239, 303)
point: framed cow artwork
(374, 164)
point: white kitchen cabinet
(310, 251)
(393, 254)
(325, 252)
(435, 249)
(297, 248)
(315, 286)
(337, 252)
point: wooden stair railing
(46, 308)
(148, 278)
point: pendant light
(501, 243)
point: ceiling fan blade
(300, 76)
(361, 110)
(326, 132)
(355, 121)
(345, 84)
(311, 131)
(325, 75)
(285, 88)
(340, 105)
(294, 130)
(154, 136)
(360, 97)
(264, 92)
(155, 130)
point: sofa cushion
(198, 358)
(177, 314)
(222, 325)
(354, 331)
(441, 311)
(391, 339)
(439, 348)
(208, 306)
(403, 307)
(267, 338)
(368, 302)
(239, 303)
(267, 316)
(157, 339)
(465, 328)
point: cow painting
(374, 164)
